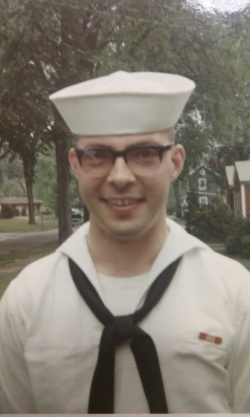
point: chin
(125, 234)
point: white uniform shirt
(49, 338)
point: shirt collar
(178, 242)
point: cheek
(88, 187)
(160, 181)
(85, 191)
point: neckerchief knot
(124, 328)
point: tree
(16, 137)
(11, 177)
(46, 45)
(22, 126)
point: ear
(73, 160)
(178, 159)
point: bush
(16, 212)
(245, 241)
(211, 222)
(23, 211)
(7, 211)
(238, 239)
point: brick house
(238, 188)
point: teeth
(124, 202)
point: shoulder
(200, 255)
(48, 280)
(207, 269)
(39, 271)
(218, 264)
(32, 282)
(218, 276)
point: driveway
(28, 238)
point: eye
(144, 153)
(98, 154)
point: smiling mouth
(123, 202)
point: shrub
(245, 241)
(238, 239)
(7, 211)
(210, 222)
(16, 212)
(23, 211)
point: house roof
(18, 200)
(230, 169)
(202, 166)
(243, 170)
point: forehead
(122, 141)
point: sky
(222, 5)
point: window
(202, 184)
(202, 172)
(203, 200)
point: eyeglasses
(98, 161)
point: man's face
(122, 203)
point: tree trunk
(28, 176)
(63, 180)
(30, 202)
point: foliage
(238, 240)
(211, 222)
(45, 185)
(11, 188)
(46, 45)
(24, 125)
(11, 178)
(7, 211)
(245, 241)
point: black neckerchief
(120, 329)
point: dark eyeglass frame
(115, 154)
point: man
(131, 314)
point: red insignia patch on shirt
(209, 338)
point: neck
(122, 258)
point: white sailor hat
(124, 103)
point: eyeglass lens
(139, 160)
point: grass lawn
(25, 252)
(13, 256)
(220, 248)
(5, 279)
(20, 224)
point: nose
(120, 174)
